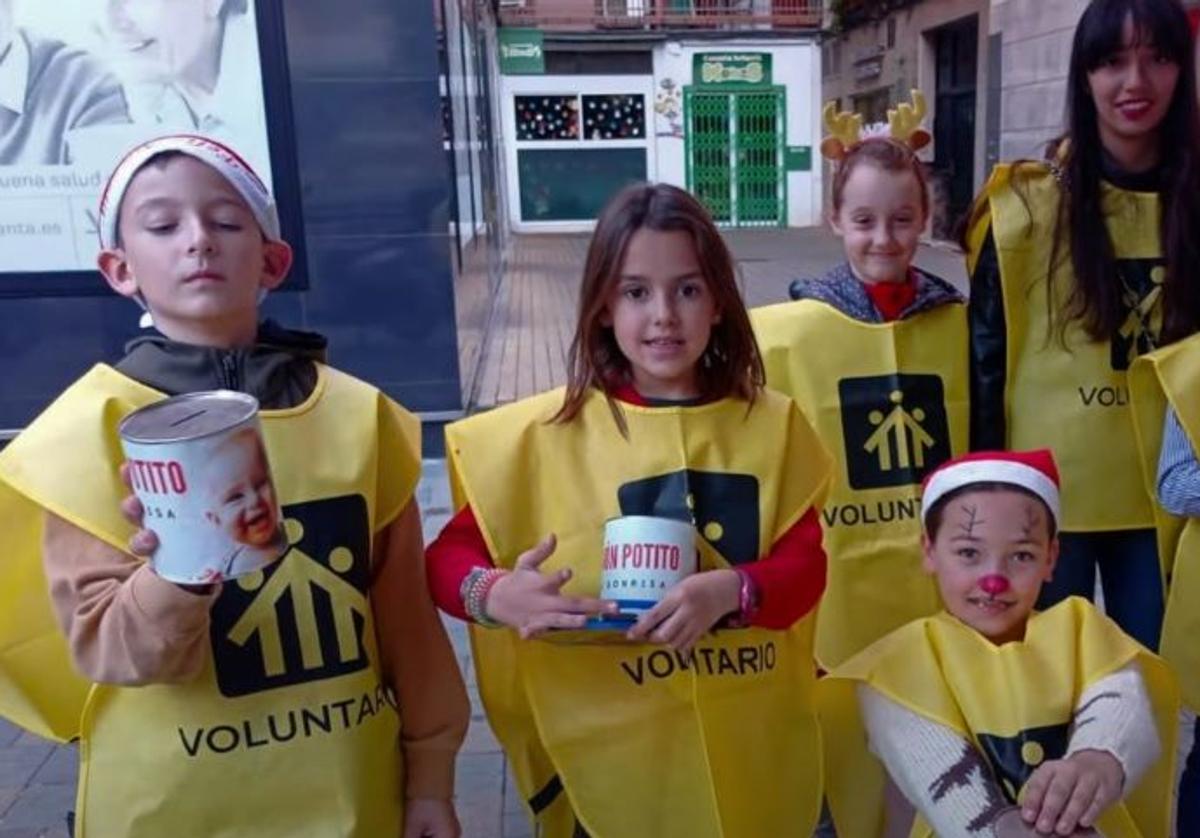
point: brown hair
(730, 366)
(889, 155)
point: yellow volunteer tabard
(1074, 399)
(1172, 376)
(1014, 703)
(890, 400)
(288, 730)
(636, 739)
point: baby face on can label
(241, 497)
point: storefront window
(560, 184)
(614, 116)
(547, 117)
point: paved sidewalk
(37, 778)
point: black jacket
(279, 369)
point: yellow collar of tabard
(903, 125)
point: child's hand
(531, 602)
(1064, 795)
(689, 609)
(426, 817)
(143, 542)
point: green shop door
(735, 147)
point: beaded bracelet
(474, 592)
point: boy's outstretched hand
(689, 610)
(532, 602)
(1067, 795)
(426, 817)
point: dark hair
(731, 365)
(933, 518)
(889, 155)
(1095, 298)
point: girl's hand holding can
(689, 610)
(532, 602)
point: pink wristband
(747, 600)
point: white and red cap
(1033, 471)
(221, 157)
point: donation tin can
(198, 464)
(644, 557)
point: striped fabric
(1178, 470)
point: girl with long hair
(696, 719)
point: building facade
(721, 98)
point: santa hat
(222, 158)
(1033, 471)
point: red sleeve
(791, 578)
(458, 548)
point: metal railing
(583, 15)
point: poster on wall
(83, 81)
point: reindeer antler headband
(846, 128)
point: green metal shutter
(734, 149)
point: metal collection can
(198, 464)
(644, 557)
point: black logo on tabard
(302, 619)
(1013, 759)
(894, 428)
(722, 506)
(1141, 300)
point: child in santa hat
(992, 718)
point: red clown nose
(994, 584)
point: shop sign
(521, 52)
(731, 69)
(798, 158)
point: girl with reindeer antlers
(889, 396)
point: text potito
(641, 556)
(738, 661)
(285, 725)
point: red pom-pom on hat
(1034, 471)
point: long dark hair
(1095, 299)
(731, 365)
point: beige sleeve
(418, 661)
(1114, 715)
(124, 624)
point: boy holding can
(990, 718)
(319, 696)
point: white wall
(796, 65)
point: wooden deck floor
(526, 348)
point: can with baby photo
(644, 557)
(198, 464)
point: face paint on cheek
(994, 584)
